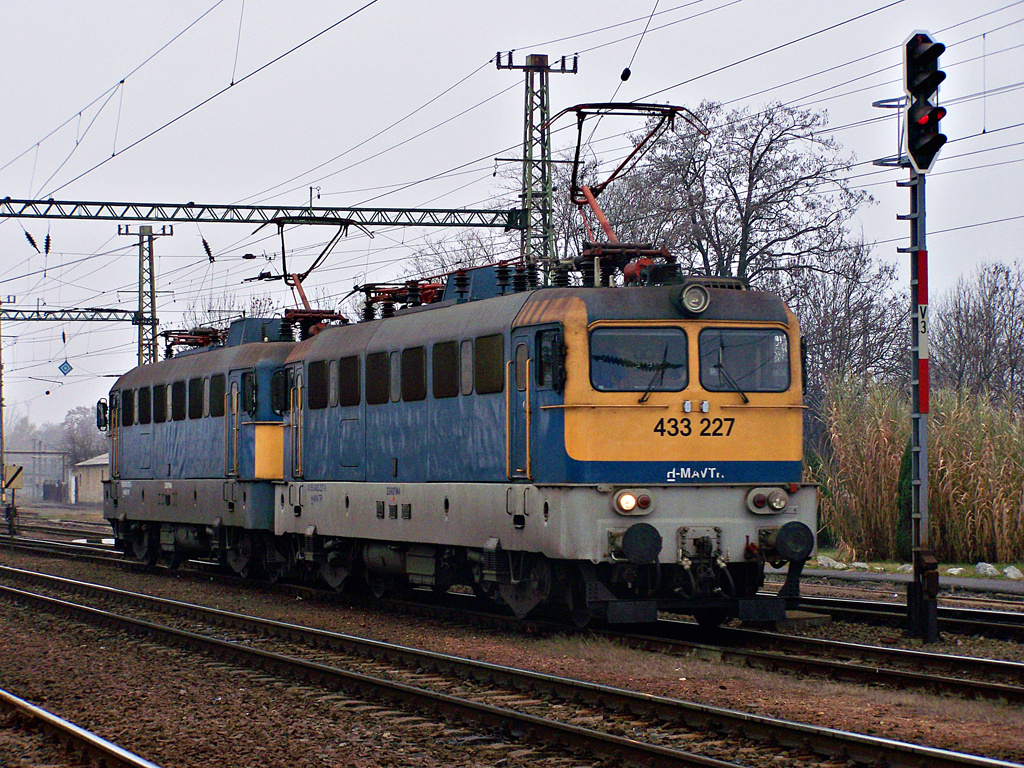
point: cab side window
(159, 403)
(178, 400)
(127, 407)
(144, 396)
(217, 385)
(195, 398)
(348, 381)
(280, 384)
(319, 384)
(249, 392)
(378, 378)
(489, 364)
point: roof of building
(95, 461)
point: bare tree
(851, 314)
(470, 248)
(80, 438)
(763, 191)
(977, 335)
(218, 311)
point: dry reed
(976, 473)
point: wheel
(242, 557)
(334, 573)
(145, 544)
(533, 587)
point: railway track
(457, 687)
(78, 530)
(91, 749)
(967, 676)
(1007, 625)
(970, 677)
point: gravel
(186, 711)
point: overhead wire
(412, 184)
(214, 96)
(114, 87)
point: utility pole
(538, 236)
(147, 288)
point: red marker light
(644, 501)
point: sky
(393, 103)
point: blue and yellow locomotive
(601, 451)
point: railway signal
(922, 77)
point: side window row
(467, 366)
(194, 398)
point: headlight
(633, 501)
(767, 501)
(694, 299)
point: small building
(87, 479)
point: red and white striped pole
(922, 593)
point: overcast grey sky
(330, 115)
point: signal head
(922, 77)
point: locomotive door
(520, 406)
(295, 417)
(231, 431)
(536, 385)
(114, 420)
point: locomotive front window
(638, 359)
(744, 360)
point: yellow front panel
(269, 451)
(614, 426)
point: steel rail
(823, 741)
(936, 672)
(98, 750)
(959, 620)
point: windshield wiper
(721, 369)
(658, 377)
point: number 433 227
(706, 427)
